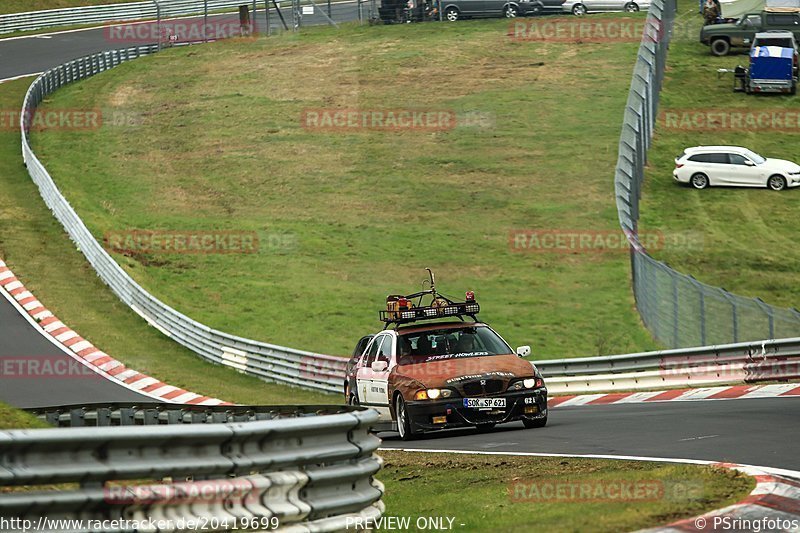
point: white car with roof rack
(704, 166)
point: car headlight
(528, 383)
(795, 173)
(433, 394)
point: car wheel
(699, 181)
(536, 423)
(451, 14)
(352, 400)
(720, 47)
(776, 182)
(483, 428)
(403, 422)
(631, 7)
(536, 9)
(579, 9)
(511, 12)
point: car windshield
(757, 159)
(449, 343)
(783, 42)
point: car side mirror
(379, 366)
(749, 163)
(524, 351)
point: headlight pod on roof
(433, 394)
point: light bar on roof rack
(411, 314)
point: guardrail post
(701, 293)
(675, 334)
(728, 296)
(158, 22)
(205, 21)
(770, 315)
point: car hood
(451, 372)
(780, 164)
(718, 28)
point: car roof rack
(402, 309)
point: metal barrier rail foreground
(300, 471)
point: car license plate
(484, 403)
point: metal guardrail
(74, 16)
(774, 360)
(268, 361)
(677, 309)
(299, 471)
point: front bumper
(422, 413)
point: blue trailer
(773, 64)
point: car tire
(579, 10)
(535, 10)
(631, 7)
(352, 399)
(776, 182)
(403, 421)
(699, 181)
(535, 423)
(720, 47)
(451, 14)
(484, 428)
(510, 12)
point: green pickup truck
(722, 37)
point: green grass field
(747, 237)
(20, 6)
(217, 144)
(11, 418)
(36, 248)
(499, 493)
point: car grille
(474, 388)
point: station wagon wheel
(511, 11)
(699, 181)
(720, 47)
(631, 7)
(776, 183)
(403, 422)
(579, 9)
(451, 14)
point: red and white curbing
(731, 392)
(774, 505)
(84, 351)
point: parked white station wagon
(704, 166)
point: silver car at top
(581, 7)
